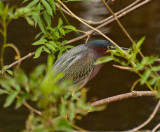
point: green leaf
(38, 35)
(50, 47)
(50, 60)
(120, 51)
(5, 85)
(2, 92)
(20, 100)
(145, 76)
(10, 98)
(24, 1)
(31, 4)
(60, 22)
(78, 0)
(69, 46)
(148, 60)
(63, 108)
(57, 34)
(61, 30)
(46, 49)
(38, 52)
(53, 43)
(47, 18)
(12, 82)
(10, 72)
(104, 60)
(63, 125)
(155, 68)
(70, 27)
(53, 5)
(140, 42)
(41, 24)
(30, 21)
(5, 67)
(72, 112)
(40, 42)
(138, 67)
(152, 81)
(47, 6)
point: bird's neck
(99, 51)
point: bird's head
(103, 45)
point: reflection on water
(122, 115)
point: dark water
(122, 115)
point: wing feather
(77, 63)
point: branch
(156, 128)
(148, 120)
(102, 21)
(122, 67)
(108, 21)
(116, 98)
(19, 60)
(32, 109)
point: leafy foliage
(145, 68)
(59, 103)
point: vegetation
(59, 105)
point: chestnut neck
(99, 51)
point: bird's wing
(77, 63)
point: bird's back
(76, 63)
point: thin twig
(148, 120)
(32, 109)
(37, 112)
(87, 38)
(102, 34)
(156, 128)
(125, 31)
(122, 67)
(19, 60)
(108, 21)
(116, 98)
(102, 21)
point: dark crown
(101, 43)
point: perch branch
(148, 120)
(156, 128)
(132, 94)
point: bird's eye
(110, 47)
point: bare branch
(122, 67)
(102, 21)
(148, 120)
(21, 59)
(116, 98)
(108, 21)
(125, 31)
(156, 128)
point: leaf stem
(4, 42)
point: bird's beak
(123, 48)
(113, 49)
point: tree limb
(108, 21)
(116, 98)
(148, 120)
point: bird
(77, 63)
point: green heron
(78, 63)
